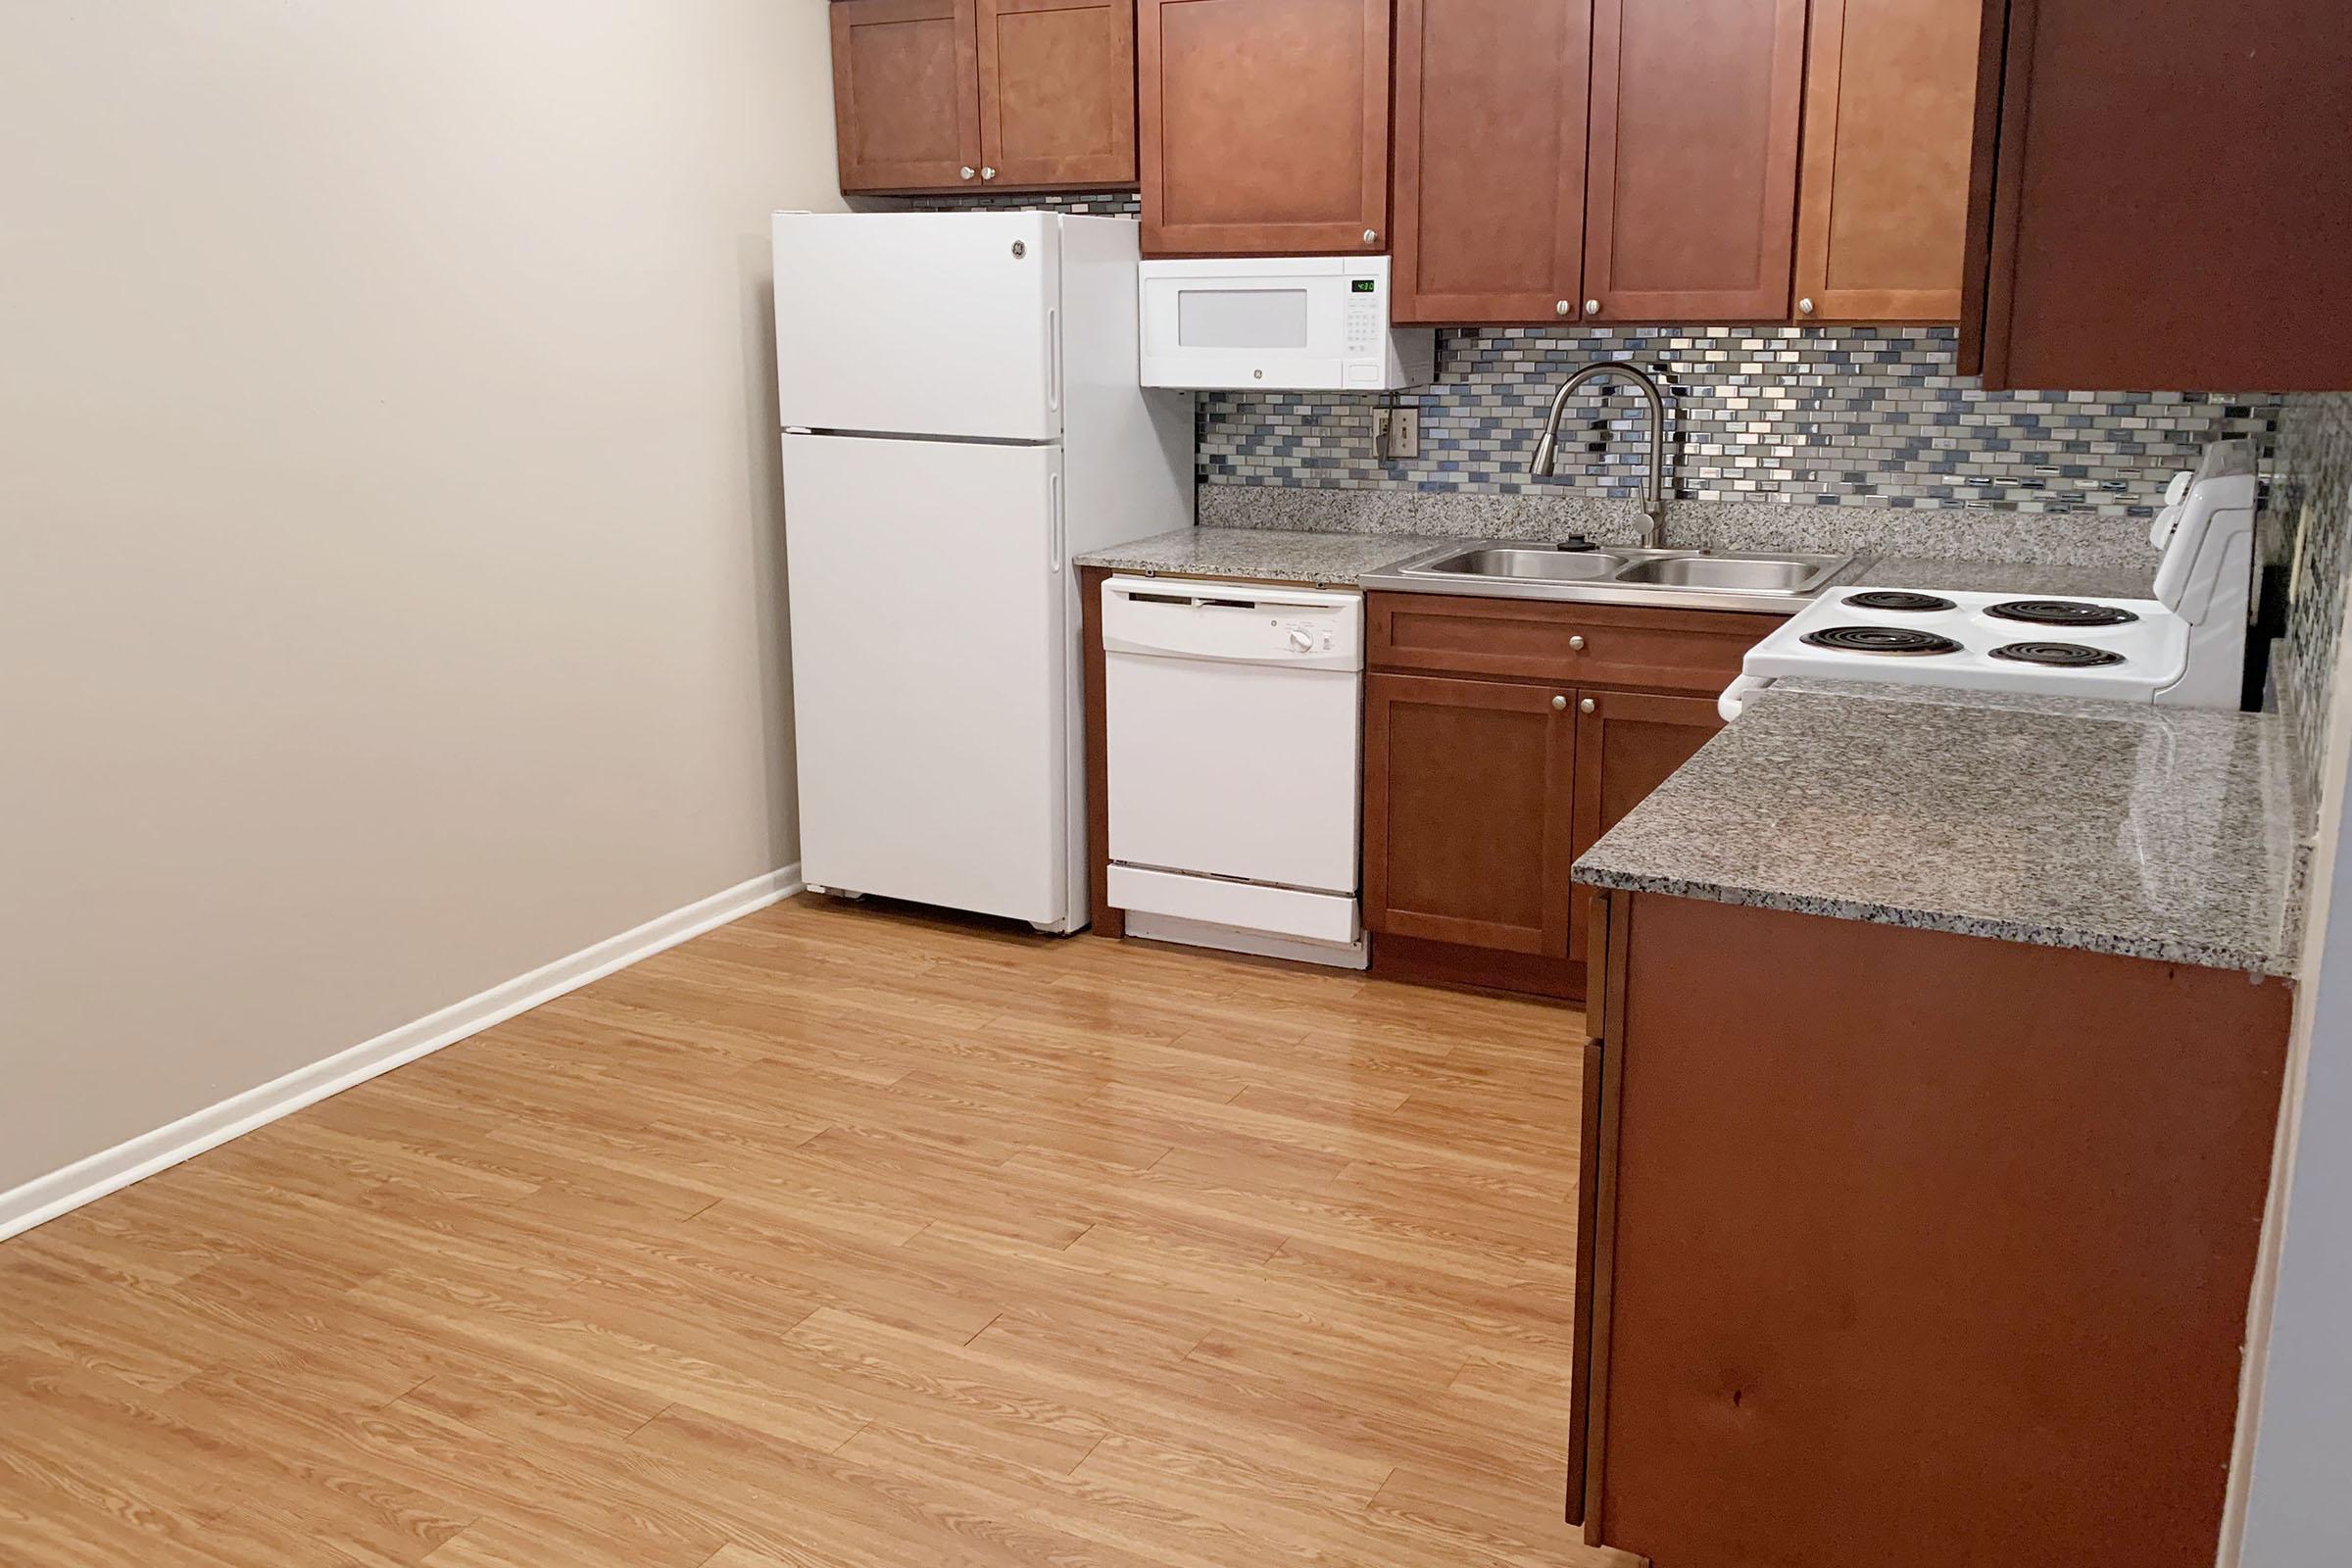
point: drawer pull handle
(1587, 705)
(1559, 705)
(1577, 644)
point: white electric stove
(2184, 645)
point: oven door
(1293, 323)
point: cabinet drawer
(1588, 645)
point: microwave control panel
(1363, 316)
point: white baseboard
(44, 1198)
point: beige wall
(390, 592)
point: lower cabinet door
(1467, 819)
(1627, 745)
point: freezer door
(920, 324)
(930, 665)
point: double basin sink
(1617, 574)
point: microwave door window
(1240, 317)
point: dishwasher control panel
(1236, 622)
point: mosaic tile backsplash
(1780, 423)
(1868, 417)
(2311, 508)
(1100, 203)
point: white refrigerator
(962, 414)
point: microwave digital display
(1365, 285)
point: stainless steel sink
(1773, 582)
(1740, 574)
(1535, 565)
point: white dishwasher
(1232, 729)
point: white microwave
(1277, 323)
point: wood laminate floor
(841, 1236)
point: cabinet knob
(1559, 704)
(1587, 705)
(966, 173)
(1592, 307)
(1371, 237)
(1804, 307)
(1577, 643)
(988, 173)
(1562, 309)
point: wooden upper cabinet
(904, 110)
(1058, 91)
(984, 94)
(1491, 101)
(1264, 126)
(1690, 201)
(1881, 215)
(2163, 196)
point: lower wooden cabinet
(1502, 737)
(1480, 795)
(1908, 1247)
(1468, 790)
(1627, 745)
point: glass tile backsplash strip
(1835, 415)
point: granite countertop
(1262, 555)
(2151, 832)
(2003, 577)
(1300, 555)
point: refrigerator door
(920, 324)
(930, 661)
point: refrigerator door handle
(1053, 535)
(1053, 360)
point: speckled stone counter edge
(2194, 954)
(1307, 557)
(2279, 958)
(1969, 533)
(1261, 554)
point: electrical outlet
(1395, 434)
(1405, 433)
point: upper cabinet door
(1490, 159)
(1881, 215)
(1264, 126)
(1691, 197)
(1057, 92)
(2163, 197)
(903, 106)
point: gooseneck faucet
(1654, 494)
